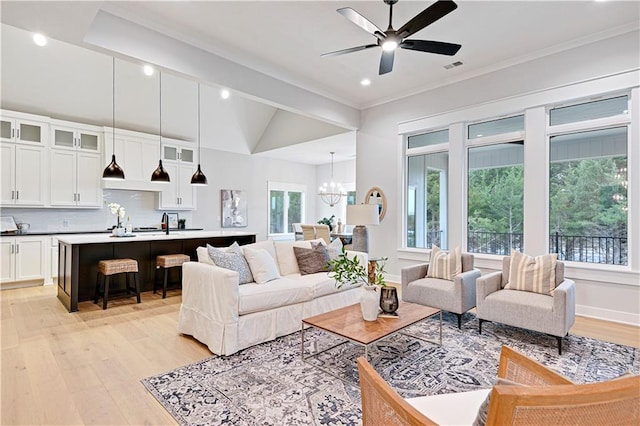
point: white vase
(369, 301)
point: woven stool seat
(117, 266)
(167, 261)
(107, 268)
(171, 260)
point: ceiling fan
(391, 39)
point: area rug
(269, 384)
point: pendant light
(331, 193)
(160, 174)
(113, 171)
(198, 178)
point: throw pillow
(233, 259)
(287, 262)
(312, 260)
(263, 267)
(535, 274)
(483, 411)
(335, 249)
(444, 265)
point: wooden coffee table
(348, 324)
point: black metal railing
(493, 242)
(576, 248)
(589, 248)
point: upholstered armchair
(552, 314)
(457, 296)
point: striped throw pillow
(444, 265)
(535, 274)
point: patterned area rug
(269, 384)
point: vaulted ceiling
(268, 54)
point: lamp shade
(363, 214)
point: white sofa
(228, 317)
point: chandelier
(332, 192)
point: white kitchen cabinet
(22, 258)
(137, 155)
(180, 162)
(179, 193)
(75, 179)
(23, 128)
(75, 138)
(22, 175)
(53, 262)
(75, 164)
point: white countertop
(146, 236)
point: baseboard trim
(608, 315)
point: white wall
(379, 152)
(225, 170)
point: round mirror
(376, 196)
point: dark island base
(78, 263)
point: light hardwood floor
(86, 367)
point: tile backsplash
(140, 206)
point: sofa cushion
(287, 262)
(266, 244)
(312, 260)
(263, 266)
(534, 274)
(335, 249)
(233, 259)
(444, 265)
(431, 291)
(274, 294)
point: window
(427, 200)
(589, 110)
(427, 139)
(286, 207)
(495, 186)
(495, 198)
(588, 196)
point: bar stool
(106, 268)
(166, 262)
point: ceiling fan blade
(362, 22)
(349, 50)
(386, 62)
(439, 47)
(427, 17)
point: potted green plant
(327, 221)
(349, 270)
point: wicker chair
(546, 398)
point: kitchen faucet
(165, 221)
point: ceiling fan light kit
(391, 39)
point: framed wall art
(234, 208)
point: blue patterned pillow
(233, 259)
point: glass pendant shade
(198, 178)
(113, 171)
(160, 174)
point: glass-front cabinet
(22, 130)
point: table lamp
(362, 215)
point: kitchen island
(79, 255)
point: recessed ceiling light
(148, 70)
(224, 94)
(39, 39)
(365, 82)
